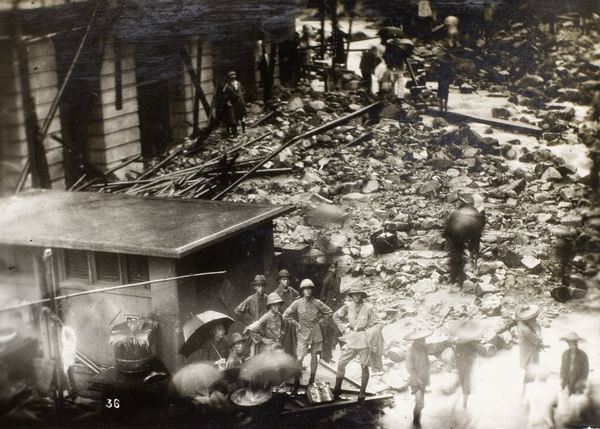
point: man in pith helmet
(308, 310)
(253, 307)
(361, 325)
(266, 332)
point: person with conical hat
(360, 324)
(417, 365)
(465, 334)
(530, 340)
(266, 332)
(236, 354)
(308, 311)
(289, 295)
(574, 367)
(253, 307)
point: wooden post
(38, 165)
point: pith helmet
(259, 280)
(358, 288)
(274, 298)
(231, 74)
(283, 273)
(236, 338)
(306, 283)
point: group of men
(298, 322)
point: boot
(311, 380)
(363, 384)
(337, 390)
(296, 385)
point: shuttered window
(137, 269)
(107, 267)
(76, 264)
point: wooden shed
(100, 240)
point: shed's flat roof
(170, 228)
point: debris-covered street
(372, 184)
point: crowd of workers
(299, 323)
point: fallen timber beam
(160, 164)
(333, 124)
(517, 127)
(331, 406)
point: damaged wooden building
(91, 86)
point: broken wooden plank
(518, 127)
(330, 125)
(366, 136)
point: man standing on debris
(330, 290)
(417, 365)
(309, 311)
(288, 294)
(361, 327)
(445, 76)
(574, 368)
(369, 61)
(234, 109)
(253, 307)
(397, 51)
(530, 340)
(267, 331)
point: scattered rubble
(377, 194)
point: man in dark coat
(369, 61)
(215, 350)
(288, 294)
(574, 367)
(252, 308)
(234, 105)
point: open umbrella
(270, 368)
(197, 330)
(195, 380)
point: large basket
(134, 366)
(134, 345)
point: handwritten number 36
(112, 403)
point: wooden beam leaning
(518, 127)
(195, 78)
(333, 124)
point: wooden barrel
(134, 366)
